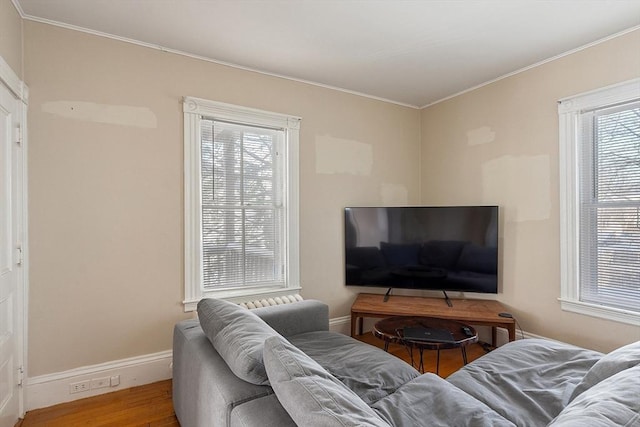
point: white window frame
(569, 110)
(194, 110)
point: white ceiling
(409, 52)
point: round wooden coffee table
(391, 330)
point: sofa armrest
(296, 318)
(205, 391)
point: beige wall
(105, 177)
(106, 194)
(499, 145)
(11, 36)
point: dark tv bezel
(452, 289)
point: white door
(11, 291)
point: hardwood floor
(150, 405)
(450, 360)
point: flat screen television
(452, 248)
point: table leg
(353, 325)
(386, 346)
(421, 366)
(410, 350)
(464, 354)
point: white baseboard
(340, 324)
(52, 389)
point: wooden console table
(472, 311)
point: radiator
(266, 302)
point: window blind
(610, 206)
(242, 205)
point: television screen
(435, 248)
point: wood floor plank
(151, 405)
(145, 405)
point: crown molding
(537, 64)
(211, 60)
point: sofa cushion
(430, 400)
(618, 360)
(614, 401)
(311, 395)
(368, 371)
(267, 410)
(238, 336)
(526, 381)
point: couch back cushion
(311, 395)
(368, 371)
(526, 381)
(614, 401)
(431, 401)
(238, 336)
(610, 364)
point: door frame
(20, 91)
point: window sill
(242, 295)
(617, 315)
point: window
(600, 202)
(241, 183)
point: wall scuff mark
(343, 156)
(479, 136)
(123, 115)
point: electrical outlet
(115, 380)
(100, 382)
(79, 387)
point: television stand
(446, 297)
(471, 311)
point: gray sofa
(281, 366)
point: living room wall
(11, 36)
(498, 144)
(106, 186)
(106, 182)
